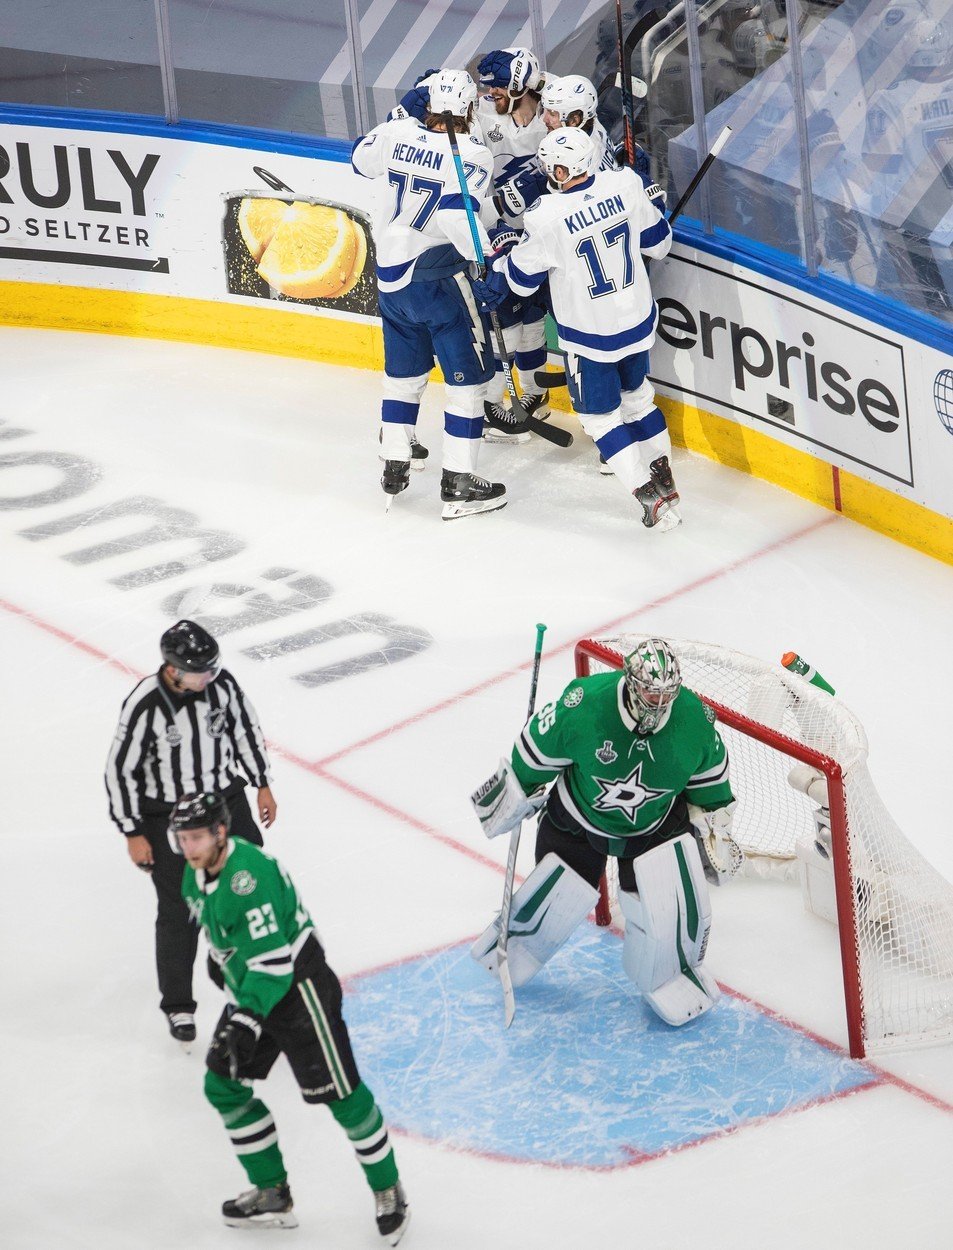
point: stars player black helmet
(199, 811)
(189, 647)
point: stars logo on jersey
(243, 883)
(573, 697)
(606, 754)
(625, 795)
(710, 713)
(216, 722)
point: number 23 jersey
(254, 921)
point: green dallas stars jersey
(254, 922)
(611, 780)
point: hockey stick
(634, 37)
(552, 433)
(553, 378)
(506, 907)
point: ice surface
(388, 658)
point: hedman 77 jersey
(254, 921)
(612, 780)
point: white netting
(902, 907)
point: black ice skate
(536, 405)
(661, 472)
(393, 1213)
(502, 425)
(605, 468)
(464, 493)
(395, 478)
(261, 1208)
(418, 454)
(656, 512)
(182, 1026)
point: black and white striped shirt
(169, 744)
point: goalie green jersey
(254, 921)
(614, 782)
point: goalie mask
(568, 95)
(568, 147)
(451, 91)
(652, 682)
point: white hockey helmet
(451, 91)
(569, 147)
(568, 95)
(652, 682)
(932, 45)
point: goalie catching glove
(500, 803)
(721, 855)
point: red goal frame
(588, 650)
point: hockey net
(894, 911)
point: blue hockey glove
(416, 101)
(493, 291)
(503, 239)
(521, 192)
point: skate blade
(499, 437)
(669, 520)
(186, 1046)
(268, 1219)
(418, 465)
(454, 511)
(395, 1236)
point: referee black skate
(186, 728)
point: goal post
(894, 912)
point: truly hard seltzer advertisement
(800, 370)
(175, 217)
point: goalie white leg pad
(548, 906)
(685, 997)
(667, 923)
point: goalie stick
(551, 433)
(506, 907)
(551, 378)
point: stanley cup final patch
(606, 754)
(243, 883)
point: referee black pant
(176, 936)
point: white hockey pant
(462, 427)
(548, 906)
(399, 413)
(667, 922)
(639, 413)
(526, 348)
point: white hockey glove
(721, 855)
(500, 803)
(809, 781)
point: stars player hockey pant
(307, 1027)
(176, 936)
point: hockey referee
(189, 727)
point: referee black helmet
(189, 647)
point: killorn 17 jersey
(589, 242)
(254, 921)
(617, 784)
(419, 218)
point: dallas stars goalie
(641, 774)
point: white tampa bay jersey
(419, 218)
(603, 153)
(910, 135)
(589, 242)
(513, 146)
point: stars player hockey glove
(236, 1040)
(500, 803)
